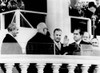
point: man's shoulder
(87, 43)
(73, 43)
(9, 38)
(8, 35)
(34, 38)
(39, 37)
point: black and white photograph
(49, 36)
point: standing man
(41, 43)
(93, 13)
(10, 44)
(57, 44)
(74, 47)
(98, 19)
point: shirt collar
(78, 42)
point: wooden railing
(56, 61)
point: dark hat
(91, 4)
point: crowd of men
(43, 44)
(6, 5)
(81, 10)
(91, 11)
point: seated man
(10, 44)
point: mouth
(17, 32)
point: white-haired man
(86, 38)
(40, 43)
(10, 44)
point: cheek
(55, 37)
(45, 30)
(75, 37)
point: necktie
(78, 47)
(59, 45)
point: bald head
(42, 28)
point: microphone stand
(94, 27)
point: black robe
(40, 44)
(10, 46)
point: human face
(98, 2)
(95, 42)
(14, 32)
(86, 37)
(77, 35)
(57, 36)
(92, 9)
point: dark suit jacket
(87, 43)
(59, 51)
(10, 46)
(40, 44)
(75, 12)
(74, 49)
(89, 14)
